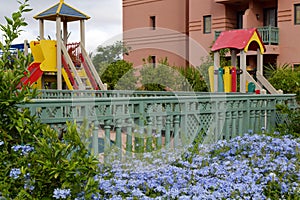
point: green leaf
(9, 21)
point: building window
(153, 61)
(239, 19)
(270, 17)
(207, 24)
(297, 14)
(153, 22)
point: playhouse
(58, 64)
(239, 42)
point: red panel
(35, 73)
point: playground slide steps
(86, 80)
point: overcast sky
(104, 26)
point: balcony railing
(268, 34)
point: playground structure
(58, 64)
(225, 79)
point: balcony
(268, 34)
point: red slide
(35, 73)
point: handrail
(266, 83)
(92, 68)
(249, 78)
(64, 94)
(69, 73)
(89, 73)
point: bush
(118, 75)
(35, 161)
(286, 79)
(163, 77)
(291, 123)
(194, 78)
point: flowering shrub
(248, 167)
(35, 161)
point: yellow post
(227, 79)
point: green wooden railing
(66, 94)
(269, 35)
(132, 124)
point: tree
(118, 75)
(109, 54)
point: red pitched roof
(236, 39)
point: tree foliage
(109, 54)
(163, 77)
(118, 75)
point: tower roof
(65, 11)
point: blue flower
(61, 193)
(25, 149)
(1, 143)
(15, 173)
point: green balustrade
(149, 122)
(268, 34)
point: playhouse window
(297, 14)
(207, 24)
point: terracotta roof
(65, 11)
(246, 39)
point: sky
(104, 27)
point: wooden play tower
(65, 65)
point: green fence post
(106, 138)
(129, 137)
(176, 125)
(149, 133)
(119, 137)
(168, 126)
(95, 143)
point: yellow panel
(211, 78)
(227, 79)
(37, 84)
(36, 51)
(255, 38)
(49, 50)
(67, 80)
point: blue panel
(68, 11)
(50, 11)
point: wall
(289, 33)
(168, 40)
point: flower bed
(249, 167)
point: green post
(106, 137)
(129, 137)
(95, 138)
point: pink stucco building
(184, 30)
